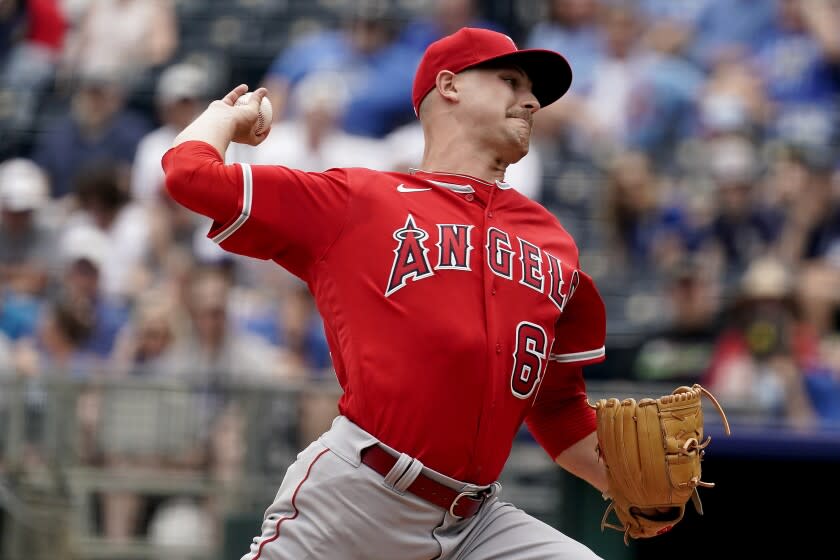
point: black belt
(459, 504)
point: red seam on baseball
(294, 507)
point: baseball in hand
(263, 117)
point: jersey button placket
(470, 197)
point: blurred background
(153, 388)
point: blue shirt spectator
(685, 12)
(108, 319)
(743, 238)
(98, 128)
(378, 81)
(422, 32)
(802, 82)
(582, 45)
(727, 25)
(18, 314)
(663, 107)
(315, 351)
(823, 387)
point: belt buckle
(477, 494)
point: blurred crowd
(696, 161)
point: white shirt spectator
(124, 35)
(181, 94)
(119, 252)
(314, 140)
(147, 173)
(288, 144)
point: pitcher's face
(498, 107)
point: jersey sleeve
(561, 415)
(580, 333)
(283, 214)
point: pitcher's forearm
(213, 127)
(581, 459)
(196, 174)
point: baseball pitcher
(455, 309)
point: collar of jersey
(457, 187)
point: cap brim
(550, 72)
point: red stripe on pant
(294, 507)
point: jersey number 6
(529, 357)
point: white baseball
(263, 116)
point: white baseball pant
(331, 506)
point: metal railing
(66, 445)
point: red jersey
(454, 308)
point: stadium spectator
(730, 29)
(31, 39)
(733, 101)
(313, 139)
(182, 91)
(637, 94)
(296, 326)
(663, 100)
(129, 36)
(219, 361)
(672, 23)
(446, 17)
(146, 427)
(642, 234)
(574, 29)
(759, 358)
(213, 351)
(680, 350)
(746, 225)
(57, 347)
(104, 205)
(56, 351)
(799, 64)
(377, 69)
(819, 297)
(822, 381)
(84, 251)
(98, 128)
(144, 346)
(812, 228)
(18, 314)
(27, 245)
(614, 77)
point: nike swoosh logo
(402, 188)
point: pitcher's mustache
(526, 115)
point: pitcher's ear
(446, 85)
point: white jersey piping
(247, 197)
(578, 356)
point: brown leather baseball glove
(652, 450)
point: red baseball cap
(549, 72)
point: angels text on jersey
(507, 256)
